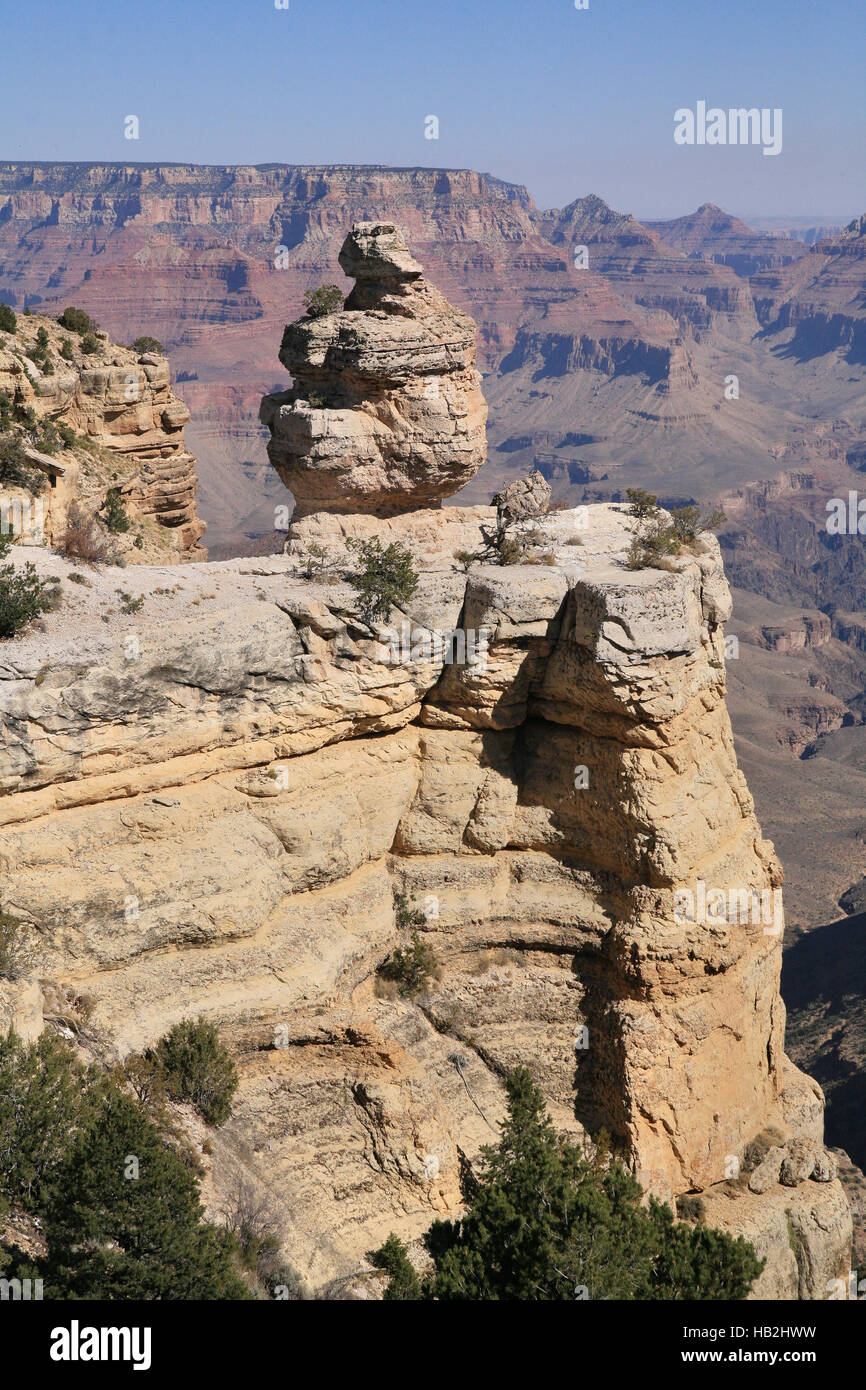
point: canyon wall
(213, 797)
(210, 815)
(114, 424)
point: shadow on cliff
(824, 988)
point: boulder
(386, 415)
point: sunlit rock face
(219, 826)
(386, 414)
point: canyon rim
(213, 821)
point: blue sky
(564, 101)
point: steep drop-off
(208, 809)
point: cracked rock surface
(386, 413)
(209, 804)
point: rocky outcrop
(815, 305)
(522, 499)
(386, 414)
(714, 235)
(211, 815)
(114, 424)
(214, 796)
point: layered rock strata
(128, 427)
(386, 413)
(211, 815)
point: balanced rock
(386, 414)
(524, 498)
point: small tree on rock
(327, 299)
(198, 1068)
(387, 578)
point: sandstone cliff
(120, 428)
(211, 814)
(211, 797)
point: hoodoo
(386, 413)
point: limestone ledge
(210, 813)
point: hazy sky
(565, 101)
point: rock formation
(126, 429)
(218, 826)
(694, 291)
(816, 304)
(386, 414)
(714, 235)
(215, 818)
(524, 498)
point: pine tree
(546, 1224)
(125, 1221)
(45, 1098)
(403, 1282)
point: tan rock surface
(129, 428)
(386, 413)
(211, 813)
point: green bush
(411, 967)
(66, 350)
(316, 561)
(198, 1068)
(125, 1221)
(128, 604)
(76, 320)
(687, 523)
(656, 539)
(643, 505)
(651, 545)
(117, 1207)
(406, 913)
(114, 512)
(49, 438)
(327, 299)
(15, 471)
(543, 1222)
(8, 321)
(147, 344)
(45, 1098)
(403, 1283)
(89, 344)
(387, 578)
(23, 595)
(67, 435)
